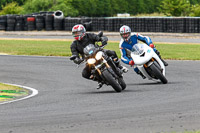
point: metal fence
(46, 21)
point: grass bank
(62, 48)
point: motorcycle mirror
(100, 34)
(73, 57)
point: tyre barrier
(40, 22)
(49, 22)
(31, 23)
(70, 22)
(19, 25)
(3, 22)
(58, 24)
(55, 21)
(11, 20)
(58, 14)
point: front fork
(149, 63)
(108, 68)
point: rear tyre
(158, 74)
(111, 80)
(122, 83)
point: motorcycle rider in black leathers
(82, 39)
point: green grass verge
(34, 47)
(62, 48)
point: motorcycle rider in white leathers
(127, 42)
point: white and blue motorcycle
(148, 62)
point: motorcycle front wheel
(158, 73)
(111, 80)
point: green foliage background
(106, 8)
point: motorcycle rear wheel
(122, 83)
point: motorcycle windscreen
(90, 49)
(138, 49)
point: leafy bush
(195, 11)
(11, 8)
(175, 7)
(32, 6)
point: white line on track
(34, 92)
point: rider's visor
(77, 34)
(125, 35)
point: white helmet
(78, 31)
(125, 32)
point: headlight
(99, 55)
(91, 61)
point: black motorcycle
(103, 67)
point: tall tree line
(91, 8)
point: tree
(195, 11)
(65, 6)
(194, 2)
(11, 8)
(32, 6)
(175, 7)
(5, 2)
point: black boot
(100, 84)
(123, 68)
(164, 62)
(141, 74)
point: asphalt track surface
(67, 103)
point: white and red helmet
(125, 32)
(78, 32)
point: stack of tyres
(153, 25)
(128, 22)
(169, 25)
(142, 24)
(31, 23)
(178, 25)
(87, 23)
(40, 22)
(3, 22)
(70, 22)
(58, 24)
(158, 24)
(98, 24)
(192, 25)
(108, 24)
(66, 24)
(11, 19)
(43, 13)
(26, 22)
(101, 24)
(95, 24)
(135, 24)
(116, 24)
(49, 21)
(19, 25)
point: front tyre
(111, 80)
(158, 74)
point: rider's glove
(78, 60)
(131, 63)
(103, 43)
(152, 45)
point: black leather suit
(78, 46)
